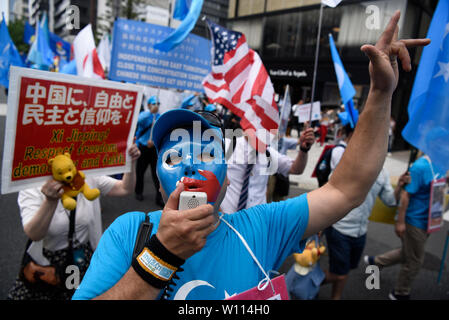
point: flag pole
(170, 12)
(316, 63)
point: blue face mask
(199, 165)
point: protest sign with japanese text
(51, 113)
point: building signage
(287, 73)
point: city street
(86, 78)
(380, 238)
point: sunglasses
(215, 121)
(212, 118)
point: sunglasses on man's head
(214, 120)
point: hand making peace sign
(383, 56)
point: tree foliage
(16, 29)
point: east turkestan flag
(40, 52)
(428, 109)
(347, 91)
(188, 11)
(9, 55)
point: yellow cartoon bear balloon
(63, 170)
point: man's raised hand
(383, 56)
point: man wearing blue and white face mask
(218, 252)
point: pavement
(380, 237)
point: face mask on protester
(191, 150)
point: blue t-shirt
(419, 190)
(144, 123)
(223, 267)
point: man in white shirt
(276, 163)
(344, 134)
(346, 238)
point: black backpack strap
(26, 257)
(71, 235)
(331, 150)
(71, 228)
(142, 235)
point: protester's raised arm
(36, 229)
(365, 153)
(307, 139)
(126, 185)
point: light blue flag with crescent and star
(69, 68)
(40, 52)
(28, 33)
(178, 35)
(9, 55)
(181, 9)
(428, 108)
(59, 46)
(347, 91)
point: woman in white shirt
(46, 223)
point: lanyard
(264, 283)
(434, 176)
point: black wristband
(305, 150)
(155, 264)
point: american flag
(240, 82)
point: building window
(293, 34)
(252, 29)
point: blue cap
(188, 101)
(176, 118)
(210, 107)
(153, 100)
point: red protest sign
(50, 114)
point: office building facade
(284, 33)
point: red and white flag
(87, 62)
(240, 82)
